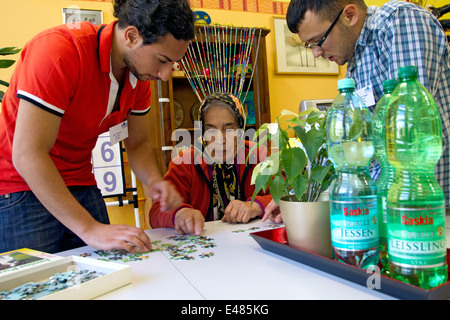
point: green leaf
(262, 172)
(300, 132)
(4, 83)
(262, 140)
(285, 112)
(293, 119)
(1, 96)
(284, 139)
(6, 63)
(315, 141)
(293, 160)
(277, 189)
(9, 50)
(325, 184)
(308, 111)
(314, 116)
(261, 182)
(319, 173)
(260, 130)
(255, 172)
(300, 185)
(278, 140)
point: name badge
(366, 94)
(118, 132)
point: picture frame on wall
(291, 57)
(75, 15)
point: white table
(239, 269)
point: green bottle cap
(407, 71)
(390, 84)
(346, 83)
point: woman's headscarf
(224, 175)
(234, 103)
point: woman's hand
(241, 211)
(272, 213)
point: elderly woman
(214, 176)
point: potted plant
(6, 63)
(297, 174)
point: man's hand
(165, 192)
(241, 211)
(189, 221)
(109, 237)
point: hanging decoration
(219, 60)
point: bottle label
(354, 223)
(416, 236)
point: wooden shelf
(178, 74)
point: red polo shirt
(66, 70)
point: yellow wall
(22, 19)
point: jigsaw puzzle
(59, 281)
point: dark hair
(155, 18)
(327, 9)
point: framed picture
(74, 15)
(291, 56)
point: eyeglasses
(318, 46)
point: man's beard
(133, 70)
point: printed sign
(107, 165)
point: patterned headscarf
(224, 175)
(234, 103)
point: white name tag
(366, 94)
(118, 132)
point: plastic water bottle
(387, 171)
(416, 206)
(353, 194)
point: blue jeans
(25, 223)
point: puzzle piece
(120, 255)
(244, 230)
(186, 245)
(271, 226)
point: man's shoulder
(394, 7)
(67, 31)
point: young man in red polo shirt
(72, 83)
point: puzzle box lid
(20, 259)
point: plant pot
(307, 225)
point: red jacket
(193, 182)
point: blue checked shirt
(398, 34)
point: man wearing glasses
(374, 42)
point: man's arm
(35, 134)
(143, 163)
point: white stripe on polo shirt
(39, 102)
